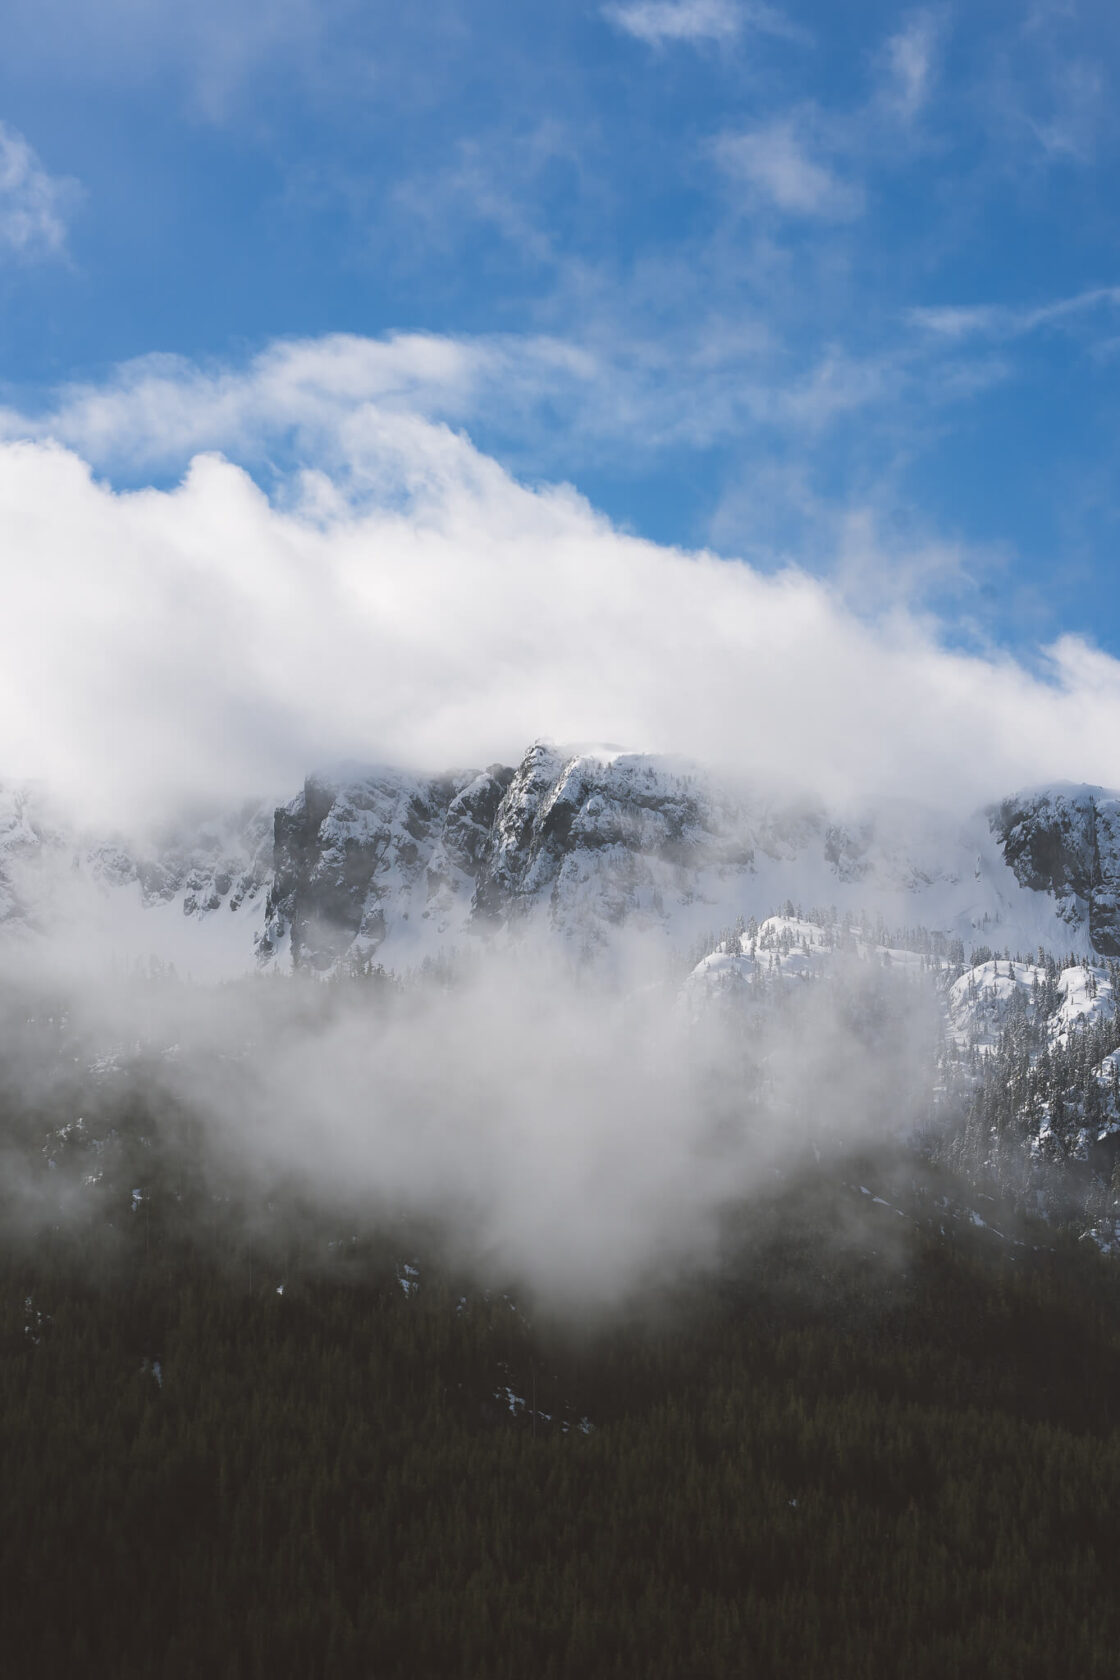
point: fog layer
(560, 1132)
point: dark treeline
(869, 1443)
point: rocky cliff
(1066, 842)
(381, 865)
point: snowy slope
(993, 995)
(790, 949)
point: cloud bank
(398, 596)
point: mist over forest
(493, 1282)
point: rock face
(219, 863)
(578, 844)
(593, 840)
(1067, 843)
(359, 853)
(379, 865)
(581, 844)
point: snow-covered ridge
(981, 1003)
(381, 865)
(785, 949)
(1029, 1050)
(583, 847)
(993, 995)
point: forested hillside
(242, 1438)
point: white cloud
(790, 161)
(296, 399)
(812, 162)
(33, 203)
(776, 163)
(658, 21)
(909, 59)
(547, 399)
(403, 598)
(956, 322)
(160, 409)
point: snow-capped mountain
(1007, 922)
(585, 844)
(392, 867)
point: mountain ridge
(384, 865)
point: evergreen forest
(248, 1434)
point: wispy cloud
(549, 405)
(1046, 97)
(957, 322)
(909, 60)
(1069, 129)
(493, 182)
(810, 162)
(778, 164)
(551, 401)
(659, 21)
(33, 203)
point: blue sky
(830, 285)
